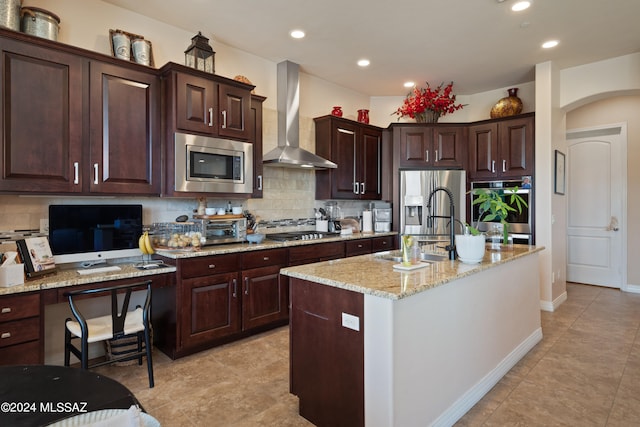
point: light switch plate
(350, 321)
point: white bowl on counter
(255, 238)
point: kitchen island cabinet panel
(125, 130)
(41, 110)
(327, 359)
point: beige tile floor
(585, 372)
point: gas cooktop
(300, 235)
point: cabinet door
(345, 140)
(211, 308)
(483, 151)
(415, 146)
(41, 113)
(358, 247)
(516, 147)
(255, 117)
(448, 147)
(125, 130)
(195, 97)
(264, 298)
(234, 105)
(370, 164)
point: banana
(142, 245)
(147, 243)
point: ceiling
(480, 45)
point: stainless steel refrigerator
(416, 186)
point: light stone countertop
(374, 275)
(266, 244)
(70, 277)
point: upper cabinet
(255, 118)
(430, 145)
(74, 124)
(502, 148)
(356, 148)
(206, 104)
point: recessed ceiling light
(550, 44)
(409, 84)
(364, 62)
(297, 34)
(521, 5)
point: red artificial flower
(440, 100)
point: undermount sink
(396, 256)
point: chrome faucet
(452, 220)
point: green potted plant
(493, 205)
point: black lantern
(200, 54)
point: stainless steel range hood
(288, 152)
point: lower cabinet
(20, 329)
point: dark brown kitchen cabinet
(75, 124)
(20, 331)
(264, 295)
(307, 254)
(357, 247)
(502, 148)
(383, 243)
(430, 145)
(42, 119)
(124, 123)
(356, 149)
(256, 124)
(207, 104)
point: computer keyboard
(99, 270)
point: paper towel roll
(367, 221)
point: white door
(596, 191)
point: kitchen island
(378, 347)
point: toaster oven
(216, 231)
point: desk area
(22, 307)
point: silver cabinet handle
(246, 286)
(504, 166)
(235, 288)
(493, 166)
(5, 335)
(6, 310)
(95, 173)
(212, 266)
(265, 258)
(224, 119)
(436, 158)
(356, 186)
(259, 182)
(76, 177)
(427, 155)
(362, 188)
(211, 116)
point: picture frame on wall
(559, 178)
(36, 255)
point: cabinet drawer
(313, 253)
(21, 354)
(358, 247)
(382, 244)
(205, 266)
(19, 307)
(18, 331)
(264, 258)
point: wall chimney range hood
(288, 152)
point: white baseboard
(477, 392)
(634, 289)
(553, 305)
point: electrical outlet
(350, 321)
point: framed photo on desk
(36, 255)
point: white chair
(122, 322)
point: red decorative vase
(337, 111)
(363, 116)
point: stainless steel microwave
(212, 165)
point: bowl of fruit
(176, 236)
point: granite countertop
(70, 277)
(374, 275)
(266, 244)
